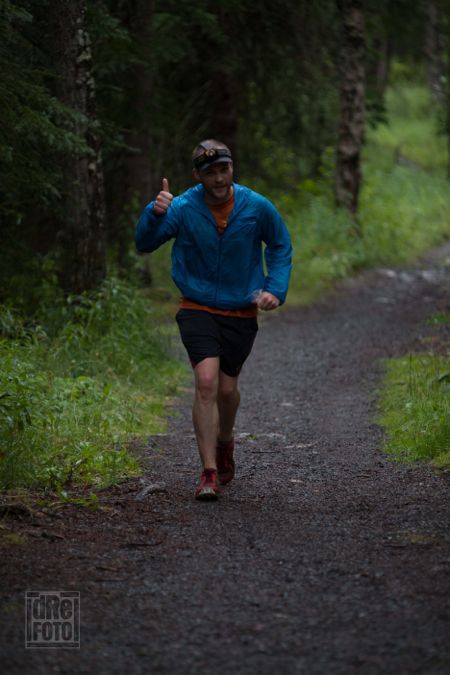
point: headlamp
(210, 156)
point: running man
(223, 233)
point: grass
(413, 134)
(415, 408)
(70, 404)
(404, 210)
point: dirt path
(321, 557)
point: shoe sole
(207, 495)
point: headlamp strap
(210, 154)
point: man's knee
(206, 385)
(228, 388)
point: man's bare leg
(228, 403)
(205, 413)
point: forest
(337, 110)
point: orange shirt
(221, 213)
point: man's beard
(211, 191)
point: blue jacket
(221, 271)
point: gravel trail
(322, 556)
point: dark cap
(212, 156)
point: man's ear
(196, 175)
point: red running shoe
(208, 488)
(225, 461)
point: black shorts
(228, 337)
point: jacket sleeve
(278, 252)
(152, 231)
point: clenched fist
(163, 200)
(267, 301)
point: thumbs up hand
(163, 200)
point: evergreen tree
(83, 234)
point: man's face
(217, 181)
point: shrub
(70, 404)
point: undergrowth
(415, 408)
(71, 403)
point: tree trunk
(351, 125)
(433, 50)
(448, 102)
(83, 235)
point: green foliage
(31, 282)
(324, 247)
(31, 133)
(55, 429)
(411, 136)
(105, 330)
(70, 405)
(284, 124)
(403, 210)
(415, 408)
(264, 82)
(440, 318)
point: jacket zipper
(219, 260)
(219, 256)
